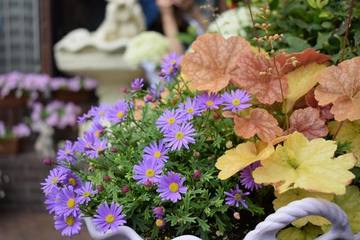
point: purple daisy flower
(247, 179)
(85, 143)
(149, 170)
(156, 151)
(118, 112)
(171, 187)
(69, 202)
(52, 201)
(57, 176)
(236, 100)
(190, 108)
(68, 225)
(96, 129)
(170, 66)
(137, 84)
(209, 101)
(180, 136)
(235, 197)
(98, 147)
(109, 217)
(66, 154)
(159, 212)
(71, 179)
(85, 193)
(169, 119)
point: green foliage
(315, 23)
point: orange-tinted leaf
(307, 56)
(340, 85)
(308, 122)
(212, 63)
(258, 75)
(324, 110)
(259, 122)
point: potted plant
(208, 150)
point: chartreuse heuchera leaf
(240, 157)
(349, 133)
(301, 81)
(298, 194)
(309, 232)
(350, 203)
(309, 165)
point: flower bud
(197, 174)
(160, 223)
(100, 188)
(237, 215)
(107, 178)
(229, 144)
(48, 161)
(125, 189)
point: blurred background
(57, 59)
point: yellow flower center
(209, 103)
(97, 133)
(157, 154)
(159, 222)
(179, 135)
(237, 196)
(86, 194)
(173, 187)
(72, 181)
(70, 220)
(67, 151)
(173, 62)
(54, 180)
(150, 172)
(71, 203)
(120, 114)
(236, 102)
(109, 218)
(171, 120)
(190, 110)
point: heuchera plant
(204, 152)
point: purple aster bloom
(209, 101)
(52, 201)
(170, 66)
(56, 177)
(190, 108)
(68, 225)
(66, 154)
(72, 179)
(85, 193)
(96, 129)
(236, 100)
(159, 212)
(137, 84)
(118, 112)
(169, 119)
(247, 179)
(180, 136)
(109, 217)
(21, 130)
(83, 118)
(85, 143)
(156, 151)
(90, 84)
(149, 170)
(171, 187)
(155, 91)
(99, 112)
(235, 197)
(2, 129)
(98, 147)
(69, 202)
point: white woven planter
(267, 229)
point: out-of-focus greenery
(315, 23)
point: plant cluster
(20, 130)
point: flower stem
(347, 25)
(338, 129)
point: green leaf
(295, 43)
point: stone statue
(100, 54)
(124, 20)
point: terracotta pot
(9, 146)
